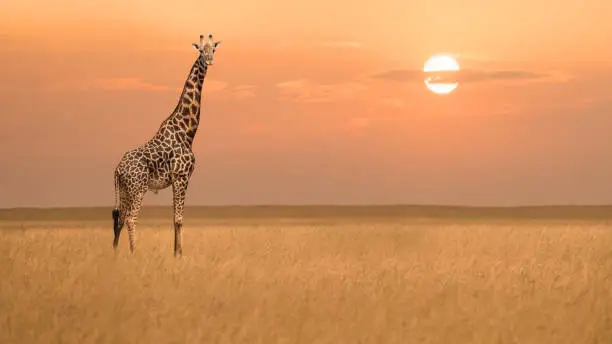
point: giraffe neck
(184, 120)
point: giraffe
(166, 159)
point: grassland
(310, 275)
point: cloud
(254, 128)
(211, 85)
(243, 91)
(224, 91)
(477, 76)
(474, 57)
(393, 102)
(128, 84)
(359, 122)
(342, 44)
(303, 90)
(109, 84)
(463, 76)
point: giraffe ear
(196, 46)
(217, 43)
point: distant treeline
(319, 212)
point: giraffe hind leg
(116, 227)
(118, 223)
(119, 214)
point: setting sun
(440, 63)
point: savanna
(309, 275)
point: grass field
(463, 276)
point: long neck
(184, 120)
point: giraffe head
(207, 49)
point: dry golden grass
(328, 282)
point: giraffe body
(166, 159)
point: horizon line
(316, 205)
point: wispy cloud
(243, 91)
(342, 44)
(393, 102)
(109, 84)
(211, 85)
(478, 76)
(464, 75)
(128, 84)
(359, 122)
(303, 90)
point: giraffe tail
(116, 225)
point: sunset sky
(312, 101)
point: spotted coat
(166, 159)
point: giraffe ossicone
(165, 160)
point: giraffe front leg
(131, 227)
(179, 188)
(132, 218)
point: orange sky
(312, 102)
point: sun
(440, 64)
